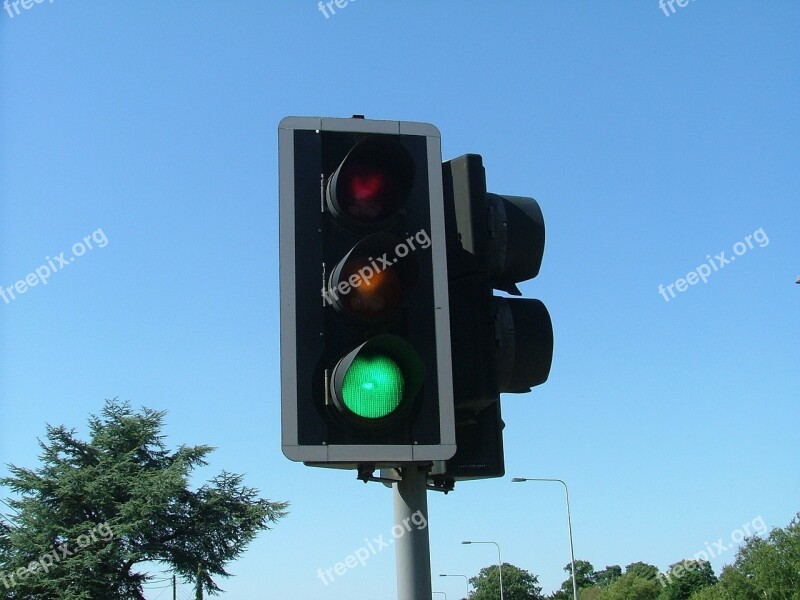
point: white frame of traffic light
(351, 456)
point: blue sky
(650, 142)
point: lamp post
(466, 580)
(569, 525)
(499, 562)
(442, 593)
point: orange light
(372, 294)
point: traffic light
(499, 344)
(365, 336)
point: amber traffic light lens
(370, 294)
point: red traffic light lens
(369, 194)
(372, 182)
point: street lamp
(569, 525)
(499, 562)
(464, 576)
(442, 593)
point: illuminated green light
(373, 386)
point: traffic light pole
(412, 548)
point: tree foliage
(764, 568)
(518, 584)
(685, 578)
(631, 586)
(584, 577)
(608, 575)
(638, 583)
(127, 497)
(642, 569)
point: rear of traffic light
(366, 373)
(499, 344)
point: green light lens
(373, 386)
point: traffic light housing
(366, 374)
(499, 344)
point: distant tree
(686, 577)
(608, 575)
(98, 508)
(735, 585)
(774, 564)
(590, 593)
(641, 569)
(518, 584)
(584, 577)
(765, 568)
(715, 592)
(584, 573)
(632, 586)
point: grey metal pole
(569, 525)
(571, 549)
(499, 562)
(500, 568)
(412, 548)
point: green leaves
(518, 584)
(124, 477)
(764, 568)
(685, 578)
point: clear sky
(653, 142)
